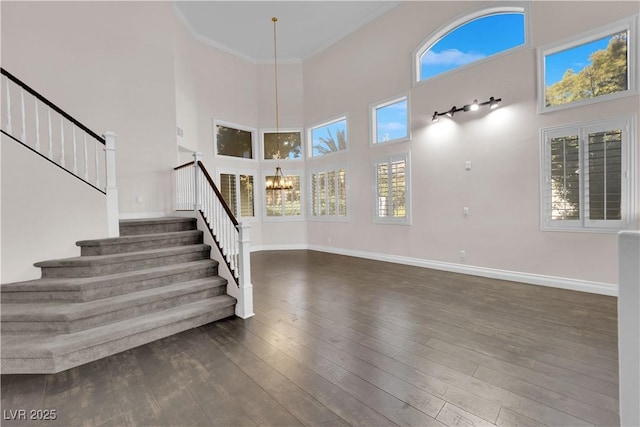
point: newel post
(113, 215)
(197, 156)
(244, 307)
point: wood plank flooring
(342, 341)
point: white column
(197, 203)
(244, 307)
(629, 326)
(113, 217)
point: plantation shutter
(605, 175)
(247, 207)
(565, 178)
(329, 194)
(228, 191)
(392, 189)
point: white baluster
(63, 162)
(23, 135)
(97, 145)
(75, 150)
(37, 125)
(86, 160)
(9, 127)
(50, 135)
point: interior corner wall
(111, 66)
(502, 232)
(32, 202)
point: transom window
(592, 67)
(283, 145)
(392, 196)
(470, 39)
(328, 137)
(329, 194)
(586, 175)
(390, 121)
(233, 140)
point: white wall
(501, 234)
(110, 65)
(142, 77)
(44, 212)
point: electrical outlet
(465, 211)
(463, 255)
(467, 165)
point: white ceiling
(304, 28)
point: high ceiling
(304, 28)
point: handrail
(51, 104)
(195, 190)
(232, 217)
(184, 165)
(47, 159)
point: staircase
(155, 280)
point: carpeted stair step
(50, 354)
(132, 227)
(64, 317)
(101, 265)
(92, 288)
(126, 244)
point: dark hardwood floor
(347, 341)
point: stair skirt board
(155, 281)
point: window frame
(328, 218)
(629, 24)
(294, 172)
(460, 20)
(629, 173)
(237, 173)
(373, 109)
(310, 128)
(287, 130)
(390, 158)
(252, 130)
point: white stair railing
(195, 190)
(92, 161)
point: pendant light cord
(275, 72)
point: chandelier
(279, 181)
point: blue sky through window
(472, 41)
(575, 58)
(391, 122)
(327, 132)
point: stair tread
(38, 346)
(120, 257)
(68, 311)
(163, 220)
(80, 283)
(137, 238)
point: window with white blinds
(587, 173)
(237, 190)
(328, 190)
(392, 196)
(284, 203)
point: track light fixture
(474, 106)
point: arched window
(469, 39)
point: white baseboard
(493, 273)
(293, 247)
